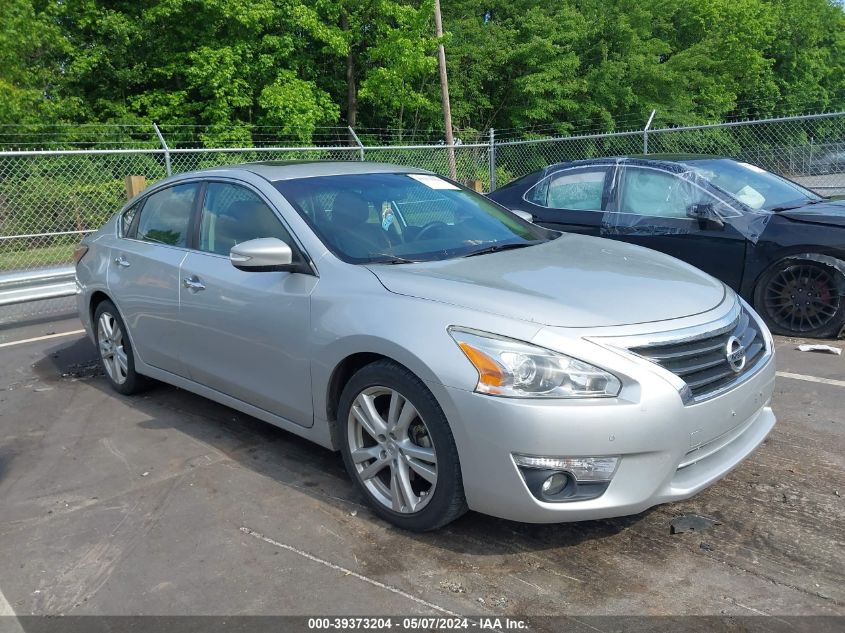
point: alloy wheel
(802, 297)
(112, 351)
(392, 450)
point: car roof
(274, 170)
(671, 161)
(678, 158)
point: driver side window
(232, 214)
(652, 192)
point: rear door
(649, 208)
(572, 199)
(245, 334)
(143, 277)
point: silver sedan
(458, 356)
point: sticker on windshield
(433, 182)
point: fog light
(554, 484)
(582, 468)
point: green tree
(31, 50)
(297, 65)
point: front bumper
(669, 451)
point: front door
(144, 274)
(650, 208)
(245, 334)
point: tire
(115, 351)
(800, 297)
(404, 461)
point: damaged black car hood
(831, 212)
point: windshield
(751, 185)
(399, 218)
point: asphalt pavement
(167, 503)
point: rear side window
(581, 188)
(126, 220)
(167, 214)
(232, 214)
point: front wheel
(802, 298)
(398, 448)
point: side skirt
(319, 432)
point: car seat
(351, 232)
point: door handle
(121, 261)
(193, 283)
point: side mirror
(706, 216)
(523, 214)
(264, 254)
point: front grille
(702, 363)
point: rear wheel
(802, 298)
(116, 351)
(398, 448)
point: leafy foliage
(301, 64)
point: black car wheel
(802, 298)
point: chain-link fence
(809, 149)
(49, 199)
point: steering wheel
(431, 226)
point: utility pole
(444, 91)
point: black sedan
(781, 246)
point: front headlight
(511, 368)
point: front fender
(408, 330)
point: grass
(36, 257)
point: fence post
(166, 151)
(134, 186)
(491, 155)
(808, 169)
(357, 142)
(645, 131)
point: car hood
(572, 281)
(824, 212)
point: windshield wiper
(495, 248)
(791, 207)
(392, 259)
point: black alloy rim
(802, 297)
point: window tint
(232, 214)
(166, 215)
(126, 220)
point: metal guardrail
(34, 285)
